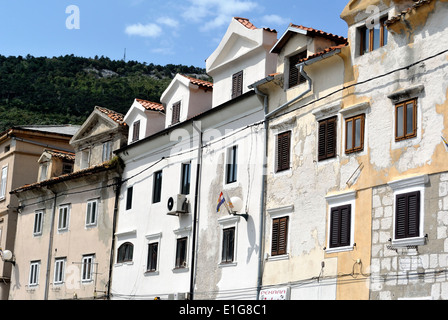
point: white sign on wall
(283, 293)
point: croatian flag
(221, 201)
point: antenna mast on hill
(124, 58)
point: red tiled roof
(338, 39)
(117, 117)
(245, 22)
(61, 154)
(199, 82)
(148, 105)
(77, 174)
(321, 53)
(415, 6)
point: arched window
(125, 252)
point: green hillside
(64, 90)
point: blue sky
(152, 31)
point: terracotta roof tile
(117, 117)
(199, 82)
(148, 105)
(327, 50)
(245, 22)
(415, 6)
(61, 154)
(338, 39)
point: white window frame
(4, 179)
(59, 270)
(179, 234)
(150, 239)
(87, 275)
(338, 200)
(226, 223)
(33, 279)
(107, 151)
(229, 161)
(408, 185)
(89, 205)
(38, 224)
(64, 227)
(44, 171)
(85, 159)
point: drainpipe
(114, 227)
(266, 127)
(50, 248)
(196, 212)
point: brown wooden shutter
(327, 139)
(295, 77)
(237, 84)
(136, 131)
(407, 215)
(279, 236)
(283, 151)
(340, 227)
(176, 113)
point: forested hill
(64, 90)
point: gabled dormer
(185, 98)
(144, 119)
(299, 43)
(54, 163)
(103, 132)
(242, 58)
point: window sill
(151, 273)
(339, 249)
(180, 270)
(418, 241)
(227, 264)
(279, 257)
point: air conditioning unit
(177, 205)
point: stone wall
(415, 271)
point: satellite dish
(237, 204)
(7, 255)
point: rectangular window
(3, 182)
(283, 151)
(354, 134)
(185, 182)
(136, 131)
(43, 171)
(153, 249)
(85, 158)
(237, 84)
(63, 218)
(34, 273)
(107, 151)
(228, 245)
(406, 120)
(279, 236)
(92, 212)
(130, 191)
(59, 270)
(38, 220)
(232, 164)
(67, 168)
(327, 139)
(181, 253)
(157, 187)
(340, 226)
(87, 269)
(407, 215)
(295, 78)
(176, 113)
(373, 38)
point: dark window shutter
(136, 131)
(176, 113)
(407, 215)
(327, 139)
(283, 151)
(340, 227)
(237, 84)
(295, 77)
(279, 236)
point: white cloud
(168, 22)
(149, 30)
(216, 13)
(273, 19)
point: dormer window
(373, 37)
(295, 78)
(176, 113)
(136, 131)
